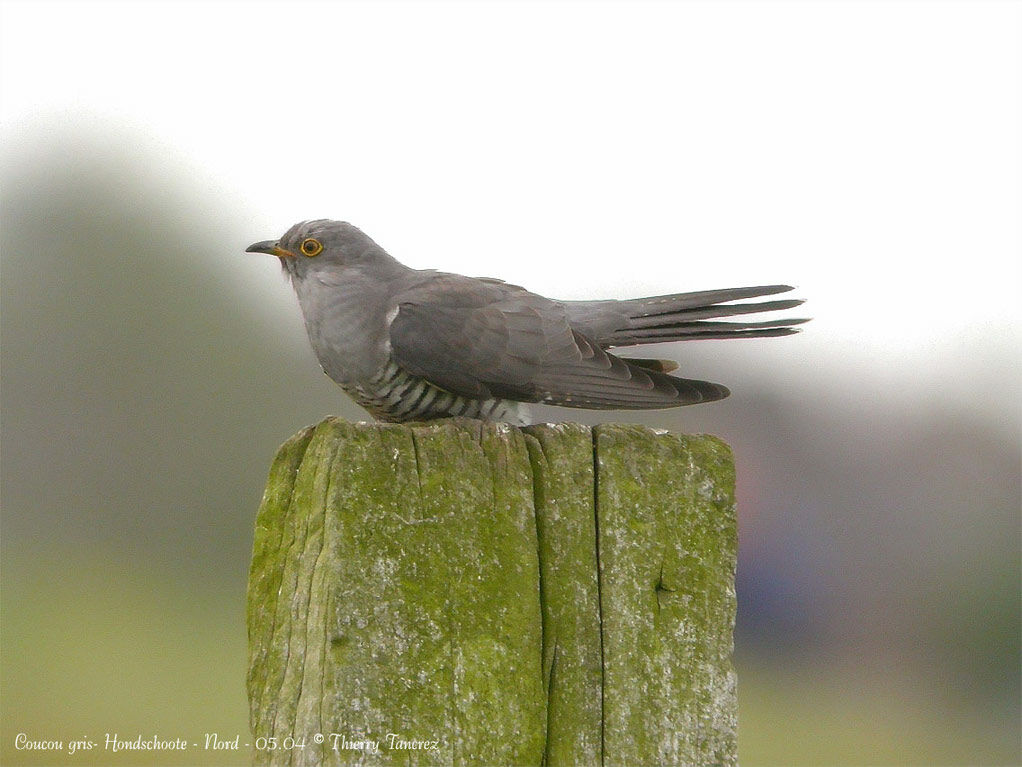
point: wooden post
(461, 593)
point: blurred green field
(832, 716)
(97, 644)
(94, 643)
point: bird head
(321, 247)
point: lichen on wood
(552, 595)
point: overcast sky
(867, 152)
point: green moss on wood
(552, 595)
(562, 472)
(667, 547)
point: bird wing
(484, 339)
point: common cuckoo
(411, 345)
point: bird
(420, 344)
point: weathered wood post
(461, 593)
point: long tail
(685, 317)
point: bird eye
(311, 247)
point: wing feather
(484, 339)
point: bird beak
(272, 247)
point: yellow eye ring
(311, 247)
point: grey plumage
(412, 344)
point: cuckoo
(419, 344)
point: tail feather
(707, 335)
(677, 302)
(709, 312)
(683, 317)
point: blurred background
(867, 153)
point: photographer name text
(114, 743)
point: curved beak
(270, 247)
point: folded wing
(485, 339)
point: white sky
(868, 152)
